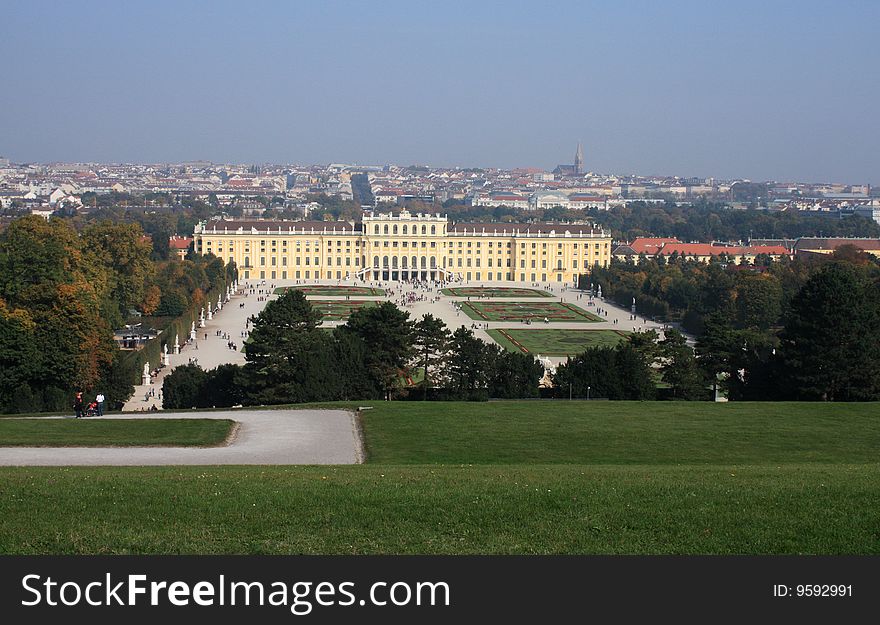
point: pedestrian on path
(100, 401)
(78, 405)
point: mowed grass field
(499, 477)
(329, 290)
(113, 432)
(339, 310)
(494, 292)
(519, 311)
(554, 342)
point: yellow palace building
(405, 246)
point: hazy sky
(765, 90)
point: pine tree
(831, 342)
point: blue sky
(764, 90)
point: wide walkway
(264, 437)
(210, 349)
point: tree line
(62, 295)
(790, 329)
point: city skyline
(755, 92)
(355, 166)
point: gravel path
(263, 437)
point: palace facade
(404, 246)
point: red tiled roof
(706, 249)
(649, 246)
(179, 243)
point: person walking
(78, 405)
(100, 400)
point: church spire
(579, 160)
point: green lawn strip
(326, 289)
(787, 509)
(339, 310)
(554, 342)
(494, 292)
(601, 432)
(113, 432)
(536, 311)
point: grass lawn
(339, 310)
(499, 477)
(113, 432)
(441, 510)
(329, 290)
(603, 432)
(550, 342)
(494, 292)
(517, 311)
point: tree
(758, 301)
(290, 313)
(680, 369)
(183, 387)
(19, 361)
(124, 255)
(620, 372)
(152, 298)
(288, 359)
(44, 271)
(387, 332)
(633, 374)
(353, 380)
(219, 388)
(645, 342)
(467, 363)
(831, 341)
(512, 374)
(430, 339)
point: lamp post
(588, 393)
(569, 391)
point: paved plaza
(263, 437)
(211, 349)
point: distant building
(818, 245)
(179, 245)
(647, 246)
(871, 212)
(501, 198)
(573, 170)
(542, 200)
(581, 201)
(704, 252)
